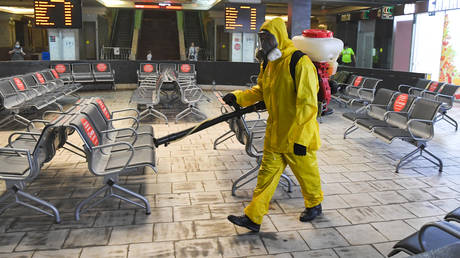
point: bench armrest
(134, 133)
(135, 124)
(429, 122)
(31, 123)
(32, 134)
(18, 152)
(438, 225)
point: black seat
(420, 84)
(430, 237)
(147, 70)
(445, 95)
(103, 72)
(64, 71)
(82, 73)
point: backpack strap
(294, 60)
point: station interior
(229, 128)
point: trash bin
(45, 55)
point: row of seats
(101, 72)
(355, 89)
(32, 91)
(153, 80)
(109, 152)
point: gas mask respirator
(268, 47)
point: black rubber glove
(230, 99)
(300, 150)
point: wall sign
(243, 17)
(57, 13)
(442, 5)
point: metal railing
(115, 53)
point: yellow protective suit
(292, 109)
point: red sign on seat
(400, 102)
(19, 84)
(101, 67)
(89, 130)
(103, 108)
(60, 68)
(40, 78)
(358, 81)
(185, 68)
(56, 75)
(433, 86)
(148, 68)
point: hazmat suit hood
(277, 27)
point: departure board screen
(57, 13)
(244, 17)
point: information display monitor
(57, 13)
(244, 17)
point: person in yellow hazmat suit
(292, 133)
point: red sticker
(103, 108)
(40, 78)
(433, 86)
(101, 67)
(60, 68)
(148, 68)
(185, 68)
(56, 75)
(357, 81)
(19, 83)
(237, 46)
(400, 102)
(90, 132)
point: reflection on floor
(367, 206)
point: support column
(136, 31)
(180, 30)
(299, 12)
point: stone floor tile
(332, 202)
(220, 211)
(197, 248)
(324, 253)
(387, 247)
(131, 234)
(417, 223)
(292, 205)
(30, 223)
(447, 205)
(442, 192)
(334, 178)
(388, 197)
(87, 237)
(153, 250)
(117, 251)
(287, 222)
(423, 209)
(282, 242)
(393, 212)
(438, 180)
(416, 195)
(241, 195)
(266, 226)
(5, 223)
(330, 218)
(410, 183)
(361, 234)
(187, 187)
(364, 251)
(242, 245)
(359, 199)
(157, 215)
(114, 218)
(173, 231)
(332, 188)
(358, 187)
(360, 215)
(8, 241)
(323, 238)
(283, 255)
(358, 176)
(201, 176)
(171, 177)
(193, 212)
(214, 228)
(217, 185)
(206, 198)
(68, 220)
(43, 240)
(62, 253)
(166, 200)
(385, 185)
(161, 188)
(394, 230)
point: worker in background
(193, 52)
(17, 53)
(149, 55)
(348, 56)
(292, 133)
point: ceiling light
(271, 17)
(16, 10)
(117, 3)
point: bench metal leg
(288, 183)
(349, 130)
(188, 111)
(420, 150)
(108, 192)
(444, 116)
(236, 185)
(219, 141)
(17, 192)
(150, 111)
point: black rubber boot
(244, 221)
(310, 213)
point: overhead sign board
(57, 13)
(442, 5)
(244, 17)
(245, 1)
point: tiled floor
(367, 207)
